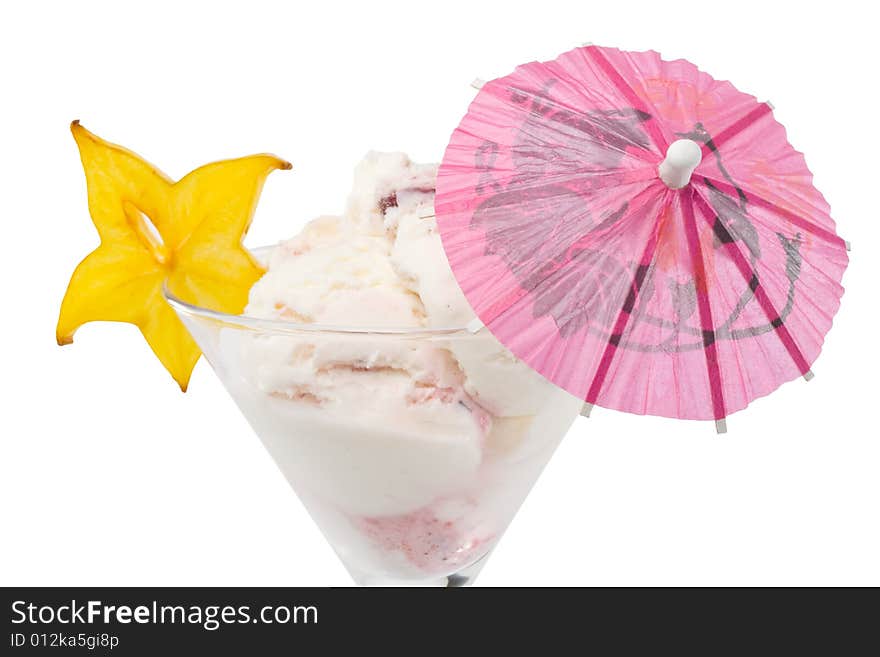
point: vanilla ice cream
(412, 446)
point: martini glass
(405, 495)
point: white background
(110, 476)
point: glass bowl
(412, 449)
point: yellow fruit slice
(153, 229)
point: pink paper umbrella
(641, 234)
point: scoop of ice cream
(335, 275)
(375, 426)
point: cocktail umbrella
(640, 233)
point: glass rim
(251, 322)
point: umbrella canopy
(641, 234)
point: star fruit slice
(153, 229)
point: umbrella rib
(796, 219)
(736, 127)
(751, 277)
(625, 312)
(629, 93)
(710, 348)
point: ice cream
(412, 449)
